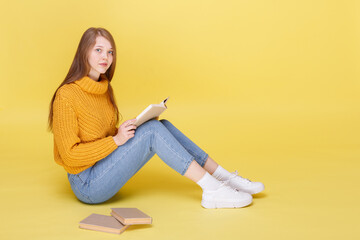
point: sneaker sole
(213, 204)
(253, 191)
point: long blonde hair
(80, 66)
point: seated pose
(100, 158)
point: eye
(111, 52)
(98, 50)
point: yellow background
(267, 87)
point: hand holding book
(151, 112)
(125, 132)
(127, 128)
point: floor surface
(311, 191)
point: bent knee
(151, 123)
(165, 122)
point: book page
(152, 111)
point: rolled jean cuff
(203, 160)
(187, 164)
(201, 163)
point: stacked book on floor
(119, 221)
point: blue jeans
(103, 180)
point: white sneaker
(225, 197)
(242, 184)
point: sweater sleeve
(73, 152)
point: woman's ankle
(210, 165)
(195, 172)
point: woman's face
(100, 57)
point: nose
(104, 55)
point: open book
(152, 111)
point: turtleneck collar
(91, 86)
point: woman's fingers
(131, 127)
(128, 123)
(127, 129)
(130, 135)
(131, 121)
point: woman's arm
(72, 151)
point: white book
(152, 111)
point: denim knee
(151, 124)
(165, 122)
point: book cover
(130, 216)
(102, 223)
(152, 111)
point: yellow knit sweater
(83, 124)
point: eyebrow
(101, 46)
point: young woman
(100, 158)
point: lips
(103, 64)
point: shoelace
(225, 183)
(235, 174)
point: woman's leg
(103, 180)
(210, 165)
(201, 157)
